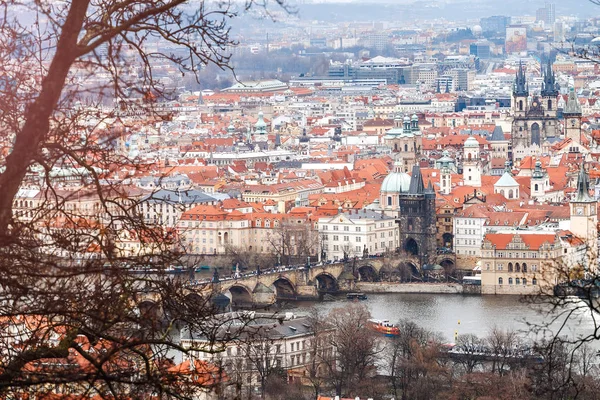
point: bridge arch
(149, 310)
(326, 282)
(284, 288)
(407, 269)
(447, 263)
(411, 246)
(368, 273)
(240, 295)
(194, 299)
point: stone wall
(307, 292)
(382, 287)
(466, 262)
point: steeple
(538, 173)
(573, 107)
(539, 181)
(583, 186)
(414, 123)
(260, 126)
(520, 88)
(231, 128)
(416, 181)
(406, 125)
(549, 86)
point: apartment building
(351, 233)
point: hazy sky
(451, 9)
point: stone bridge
(301, 283)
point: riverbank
(392, 287)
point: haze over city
(303, 200)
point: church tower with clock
(584, 219)
(572, 114)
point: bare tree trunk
(37, 117)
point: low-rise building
(164, 207)
(350, 234)
(516, 263)
(263, 345)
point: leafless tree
(413, 360)
(261, 357)
(567, 294)
(502, 343)
(71, 232)
(319, 353)
(354, 349)
(294, 241)
(469, 345)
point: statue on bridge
(215, 278)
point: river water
(450, 313)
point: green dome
(396, 182)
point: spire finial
(583, 185)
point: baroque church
(406, 140)
(535, 126)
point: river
(448, 313)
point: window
(346, 238)
(336, 238)
(534, 281)
(500, 281)
(358, 249)
(336, 247)
(358, 239)
(346, 228)
(517, 281)
(524, 281)
(389, 200)
(510, 281)
(358, 229)
(335, 227)
(510, 267)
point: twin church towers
(535, 127)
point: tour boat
(384, 326)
